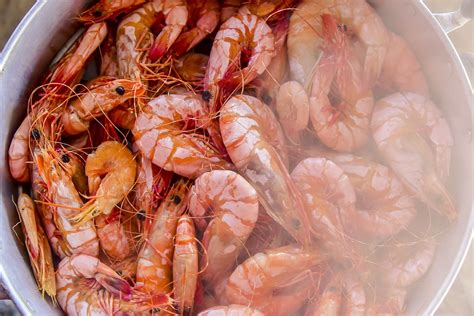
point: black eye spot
(267, 99)
(206, 95)
(120, 90)
(35, 134)
(296, 223)
(141, 215)
(97, 13)
(65, 158)
(176, 199)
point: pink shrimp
(231, 203)
(343, 126)
(18, 152)
(415, 140)
(231, 310)
(166, 132)
(107, 9)
(250, 131)
(113, 239)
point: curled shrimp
(97, 102)
(415, 140)
(203, 19)
(176, 15)
(305, 37)
(234, 310)
(342, 126)
(250, 132)
(232, 205)
(111, 172)
(254, 282)
(185, 264)
(107, 9)
(242, 49)
(37, 246)
(154, 267)
(86, 286)
(166, 132)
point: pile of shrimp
(233, 158)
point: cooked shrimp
(415, 140)
(111, 172)
(192, 67)
(329, 302)
(176, 16)
(242, 49)
(229, 9)
(250, 132)
(390, 301)
(65, 203)
(231, 310)
(86, 286)
(108, 57)
(166, 132)
(342, 126)
(203, 19)
(113, 239)
(257, 281)
(154, 268)
(231, 205)
(107, 9)
(185, 264)
(19, 152)
(37, 245)
(292, 106)
(97, 102)
(305, 37)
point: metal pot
(49, 24)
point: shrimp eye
(296, 223)
(97, 13)
(267, 99)
(120, 90)
(35, 134)
(206, 95)
(141, 215)
(65, 158)
(176, 199)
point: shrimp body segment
(232, 204)
(250, 131)
(415, 139)
(113, 238)
(106, 9)
(230, 310)
(243, 48)
(18, 152)
(166, 133)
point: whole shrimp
(234, 310)
(107, 9)
(166, 132)
(342, 126)
(258, 281)
(64, 202)
(242, 49)
(231, 204)
(154, 267)
(250, 131)
(97, 102)
(185, 264)
(305, 37)
(111, 172)
(37, 245)
(415, 140)
(86, 286)
(203, 19)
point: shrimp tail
(88, 212)
(186, 41)
(113, 283)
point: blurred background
(460, 299)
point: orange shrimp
(185, 264)
(176, 16)
(230, 310)
(166, 132)
(415, 140)
(305, 37)
(191, 67)
(86, 286)
(342, 126)
(231, 204)
(111, 172)
(107, 9)
(97, 102)
(203, 19)
(154, 267)
(250, 131)
(37, 245)
(242, 50)
(257, 281)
